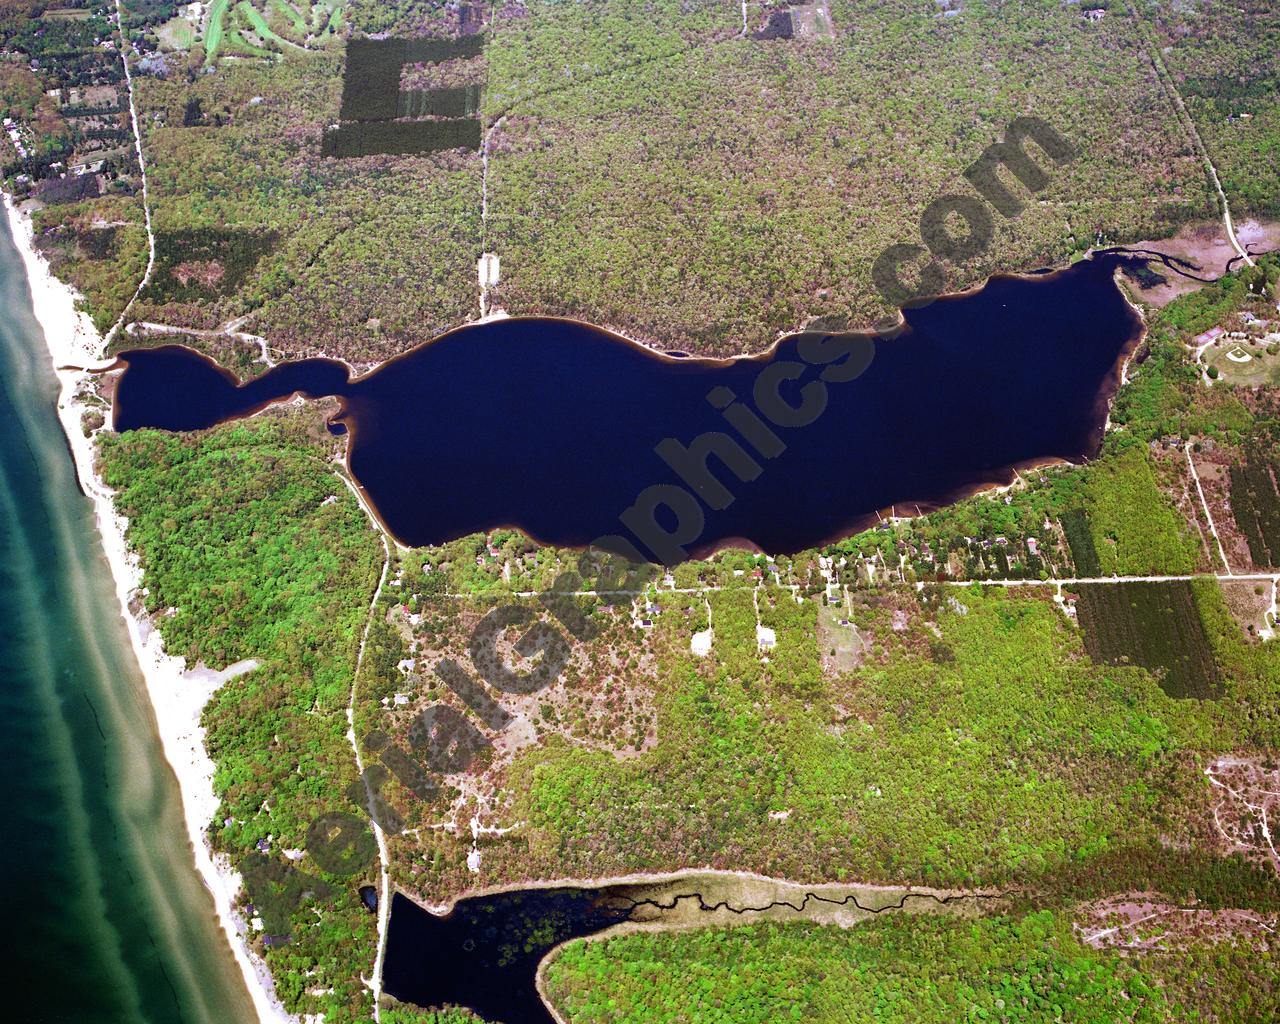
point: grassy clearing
(238, 29)
(1135, 530)
(253, 19)
(1246, 362)
(177, 34)
(282, 9)
(215, 29)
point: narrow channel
(485, 954)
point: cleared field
(176, 34)
(1153, 625)
(1247, 363)
(1075, 525)
(216, 28)
(1255, 503)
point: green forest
(906, 970)
(252, 547)
(656, 168)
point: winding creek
(488, 952)
(554, 426)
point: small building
(766, 638)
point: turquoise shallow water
(105, 919)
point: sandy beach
(177, 696)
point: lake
(484, 955)
(573, 434)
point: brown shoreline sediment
(678, 901)
(650, 348)
(987, 480)
(655, 878)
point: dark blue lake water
(560, 429)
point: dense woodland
(789, 182)
(1225, 60)
(773, 173)
(650, 170)
(769, 170)
(275, 562)
(954, 737)
(917, 970)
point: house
(1033, 545)
(766, 638)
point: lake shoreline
(604, 908)
(177, 696)
(177, 388)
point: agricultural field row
(1255, 501)
(1154, 625)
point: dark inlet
(574, 435)
(484, 955)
